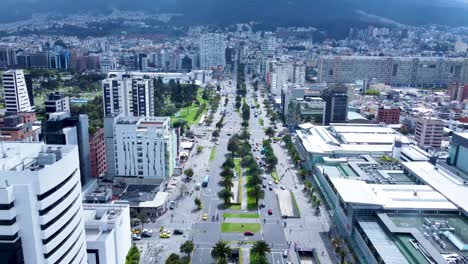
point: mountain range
(324, 14)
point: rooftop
(453, 187)
(339, 138)
(391, 196)
(30, 156)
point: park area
(240, 227)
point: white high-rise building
(143, 147)
(41, 205)
(212, 51)
(268, 44)
(17, 98)
(129, 95)
(108, 235)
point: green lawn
(241, 215)
(240, 227)
(212, 153)
(260, 121)
(235, 206)
(188, 113)
(295, 203)
(238, 170)
(251, 202)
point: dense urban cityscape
(127, 138)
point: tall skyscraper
(336, 108)
(212, 51)
(131, 96)
(429, 132)
(268, 45)
(137, 147)
(41, 205)
(62, 129)
(18, 96)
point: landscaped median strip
(274, 175)
(212, 153)
(241, 215)
(240, 227)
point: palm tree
(342, 254)
(187, 247)
(229, 163)
(226, 182)
(261, 248)
(189, 173)
(225, 195)
(258, 193)
(258, 259)
(317, 203)
(270, 132)
(221, 250)
(227, 173)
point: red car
(248, 233)
(270, 212)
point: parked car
(270, 211)
(172, 205)
(270, 188)
(262, 205)
(136, 237)
(263, 185)
(178, 232)
(205, 216)
(285, 254)
(165, 234)
(282, 187)
(248, 233)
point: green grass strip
(212, 153)
(240, 227)
(235, 206)
(274, 175)
(295, 204)
(241, 215)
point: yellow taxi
(276, 181)
(165, 234)
(205, 216)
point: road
(280, 233)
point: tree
(221, 261)
(187, 247)
(198, 203)
(317, 203)
(245, 135)
(188, 173)
(342, 254)
(173, 259)
(258, 193)
(226, 195)
(260, 248)
(199, 149)
(226, 183)
(221, 250)
(227, 173)
(133, 255)
(233, 146)
(258, 259)
(270, 132)
(303, 173)
(229, 163)
(143, 217)
(247, 161)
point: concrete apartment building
(97, 153)
(41, 208)
(388, 115)
(429, 132)
(336, 104)
(132, 96)
(394, 71)
(56, 102)
(18, 96)
(140, 148)
(212, 51)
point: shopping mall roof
(453, 187)
(391, 196)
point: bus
(205, 181)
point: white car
(285, 254)
(264, 177)
(270, 183)
(282, 187)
